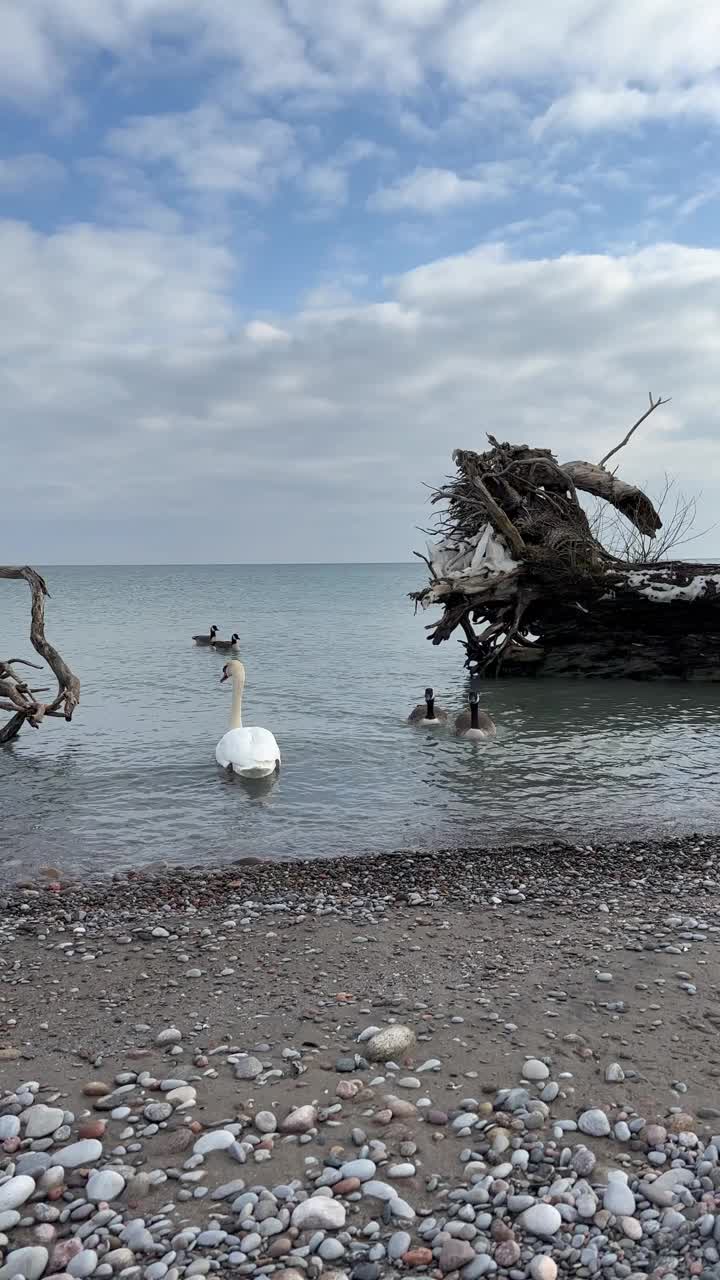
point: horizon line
(213, 564)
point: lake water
(335, 660)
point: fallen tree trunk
(516, 567)
(16, 695)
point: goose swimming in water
(250, 752)
(232, 643)
(473, 723)
(426, 713)
(208, 639)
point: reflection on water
(335, 660)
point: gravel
(385, 1068)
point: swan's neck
(236, 708)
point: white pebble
(16, 1191)
(541, 1220)
(319, 1213)
(535, 1070)
(29, 1263)
(42, 1121)
(543, 1268)
(218, 1140)
(104, 1184)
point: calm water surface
(335, 659)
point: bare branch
(654, 404)
(12, 687)
(632, 502)
(11, 730)
(502, 522)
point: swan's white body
(249, 751)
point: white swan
(250, 752)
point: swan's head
(233, 671)
(213, 631)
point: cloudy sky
(265, 263)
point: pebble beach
(459, 1064)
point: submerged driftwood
(16, 695)
(517, 568)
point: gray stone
(78, 1153)
(83, 1264)
(29, 1263)
(157, 1112)
(362, 1169)
(595, 1123)
(266, 1122)
(170, 1035)
(248, 1068)
(455, 1254)
(398, 1244)
(105, 1184)
(618, 1197)
(390, 1044)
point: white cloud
(590, 109)
(122, 350)
(260, 331)
(208, 150)
(439, 190)
(654, 58)
(21, 172)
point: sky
(265, 263)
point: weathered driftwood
(16, 695)
(516, 567)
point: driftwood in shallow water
(516, 567)
(16, 694)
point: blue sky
(264, 265)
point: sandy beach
(208, 1037)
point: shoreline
(173, 1022)
(457, 870)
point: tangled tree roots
(16, 695)
(515, 565)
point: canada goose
(250, 752)
(426, 713)
(208, 639)
(227, 644)
(474, 723)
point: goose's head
(429, 695)
(213, 631)
(473, 699)
(234, 638)
(234, 671)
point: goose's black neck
(474, 715)
(429, 708)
